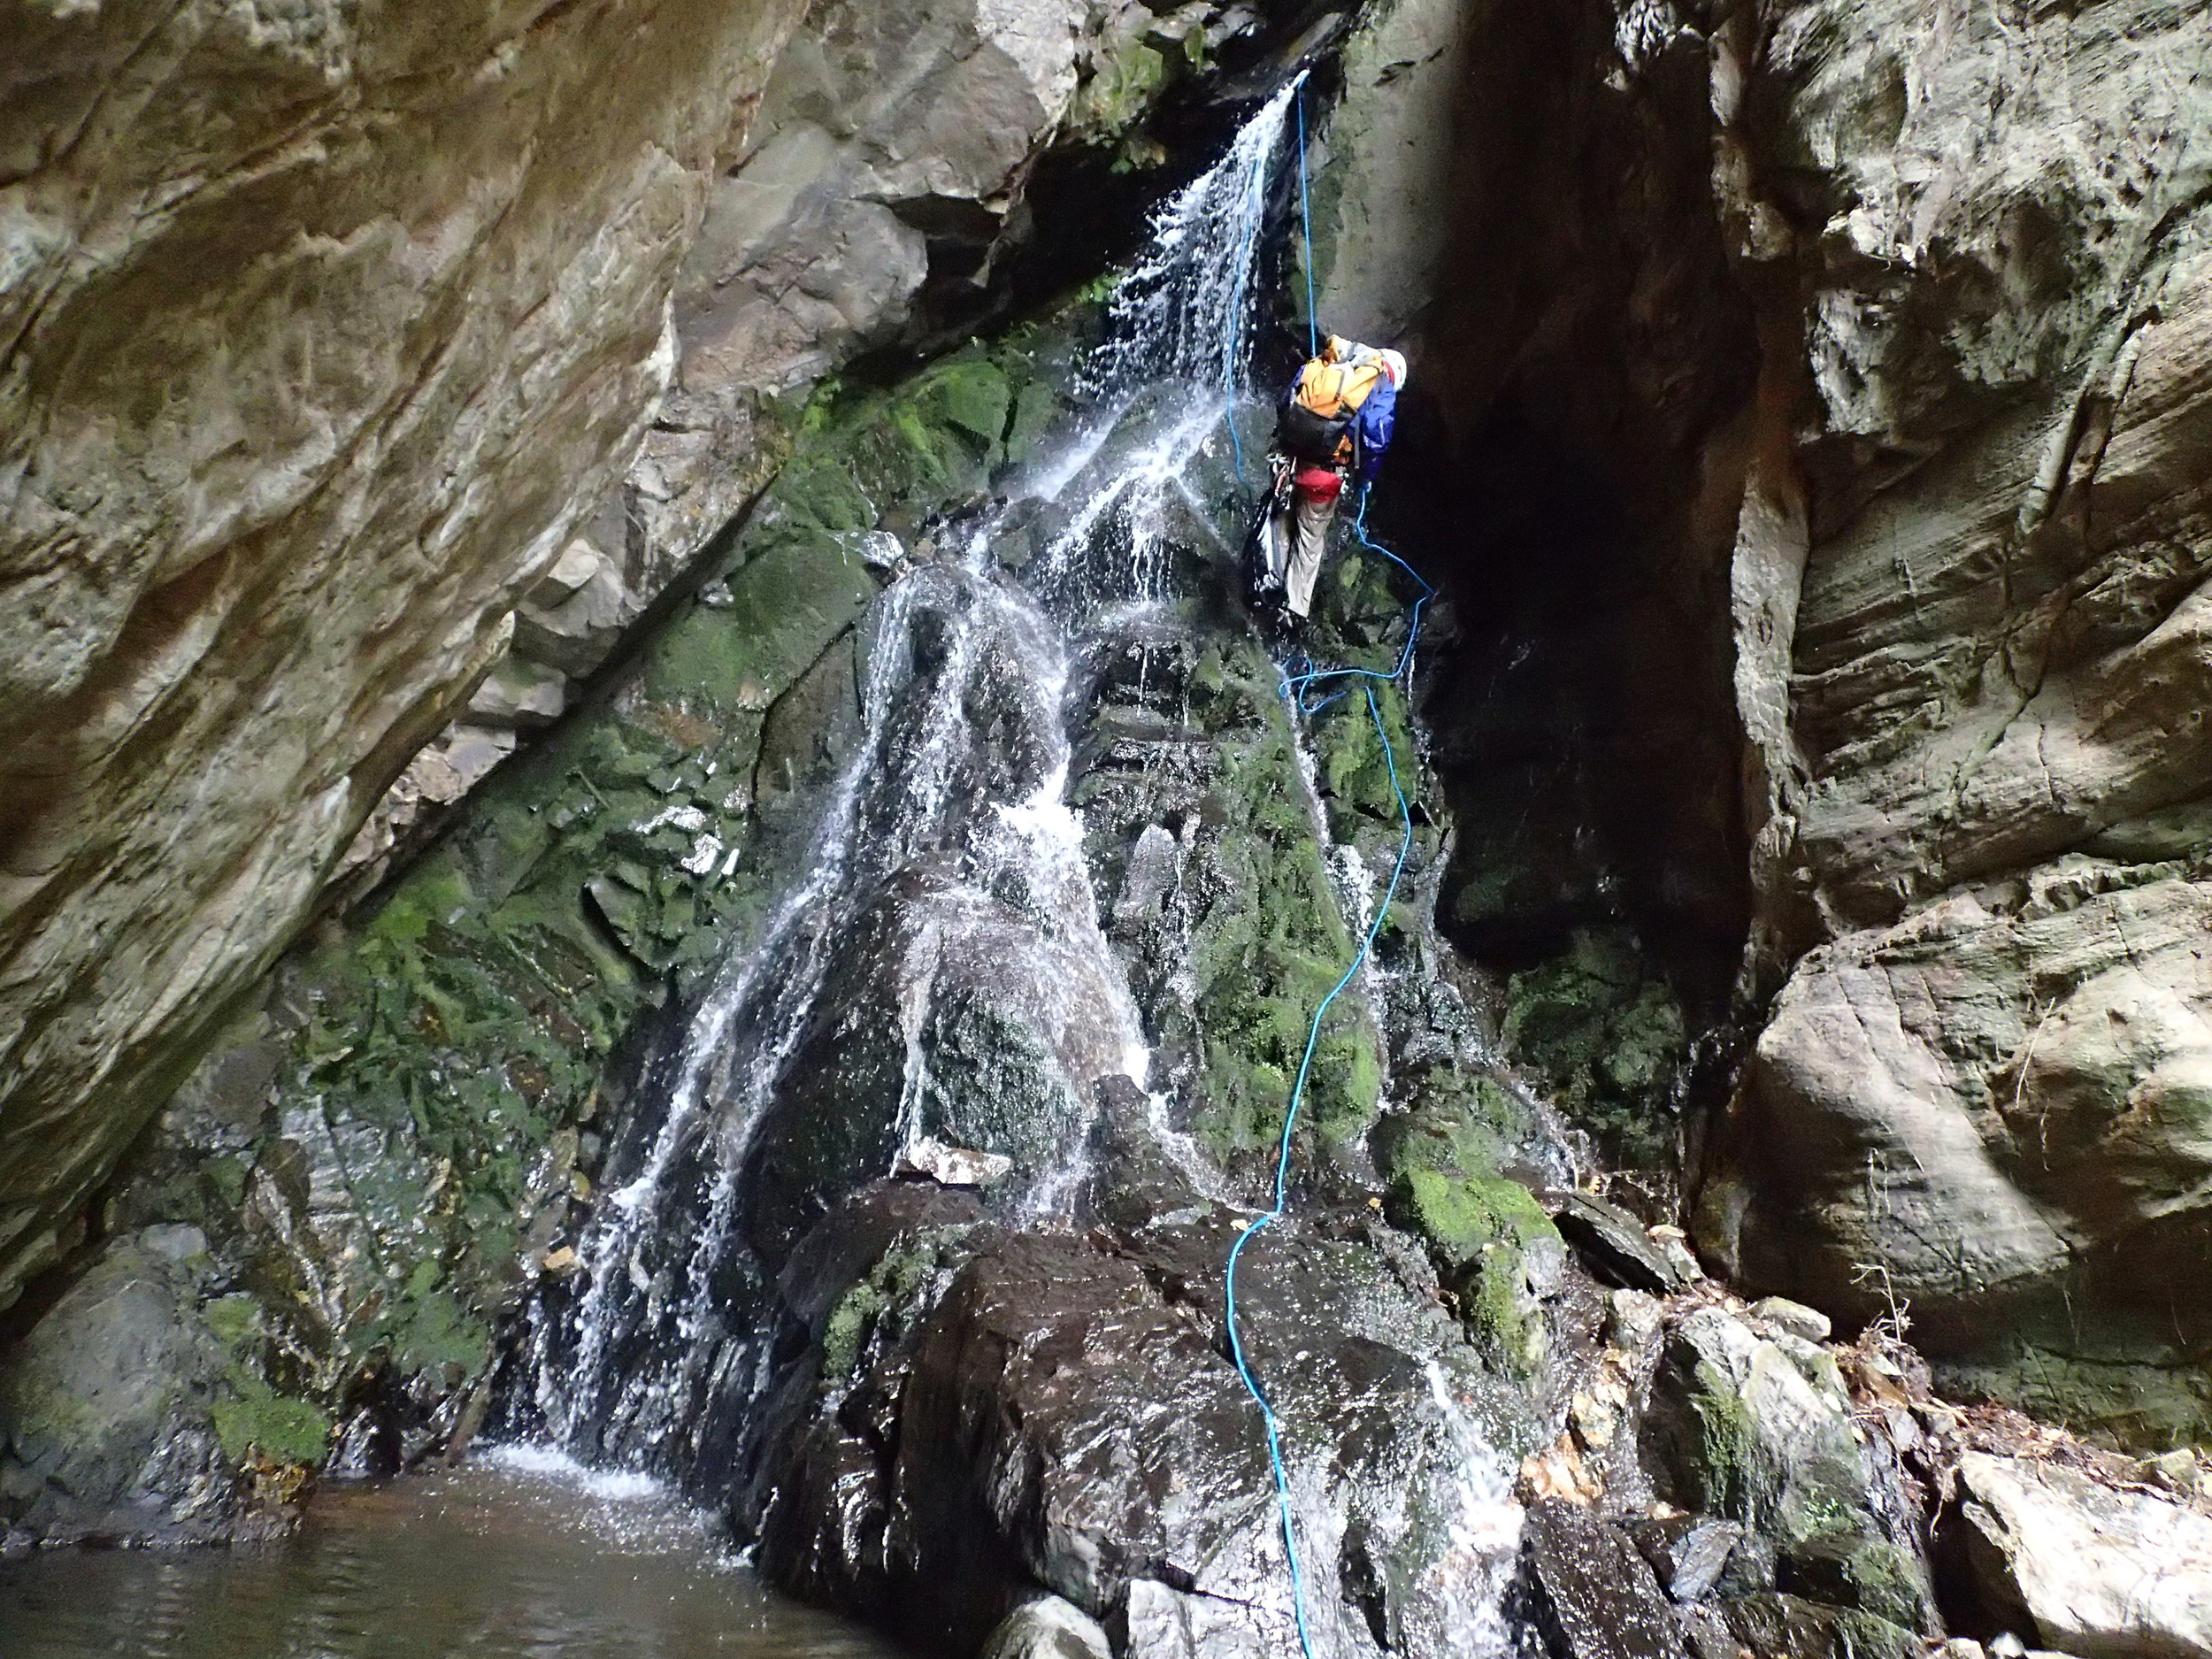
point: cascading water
(942, 953)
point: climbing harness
(1302, 680)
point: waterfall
(942, 956)
(944, 847)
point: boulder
(1592, 1595)
(2086, 1568)
(1740, 1432)
(519, 692)
(107, 1413)
(1761, 1432)
(1058, 1410)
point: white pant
(1295, 542)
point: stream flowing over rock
(645, 814)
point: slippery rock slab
(1790, 1627)
(1595, 1596)
(1614, 1245)
(1062, 1413)
(1687, 1551)
(2090, 1569)
(328, 325)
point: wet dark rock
(1789, 1627)
(1848, 1569)
(1614, 1245)
(1688, 1551)
(1058, 1412)
(1593, 1596)
(835, 1255)
(1133, 1178)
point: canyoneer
(1336, 419)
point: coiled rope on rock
(1299, 690)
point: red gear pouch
(1323, 483)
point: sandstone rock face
(884, 179)
(1837, 373)
(326, 329)
(1983, 1096)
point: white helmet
(1394, 365)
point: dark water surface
(521, 1555)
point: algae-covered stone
(379, 1162)
(1609, 1035)
(1491, 1240)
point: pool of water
(517, 1552)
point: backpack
(1316, 424)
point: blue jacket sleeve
(1377, 424)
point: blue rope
(1297, 690)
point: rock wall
(370, 382)
(324, 330)
(1979, 1093)
(1808, 414)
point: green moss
(236, 1320)
(428, 1330)
(1462, 1215)
(281, 1427)
(1440, 1163)
(1731, 1462)
(850, 1324)
(884, 1299)
(1884, 1580)
(1122, 87)
(1608, 1036)
(1272, 942)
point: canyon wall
(1816, 398)
(324, 328)
(367, 379)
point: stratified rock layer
(324, 327)
(1984, 749)
(1839, 373)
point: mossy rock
(284, 1429)
(1493, 1244)
(1607, 1035)
(883, 1304)
(1270, 942)
(447, 1047)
